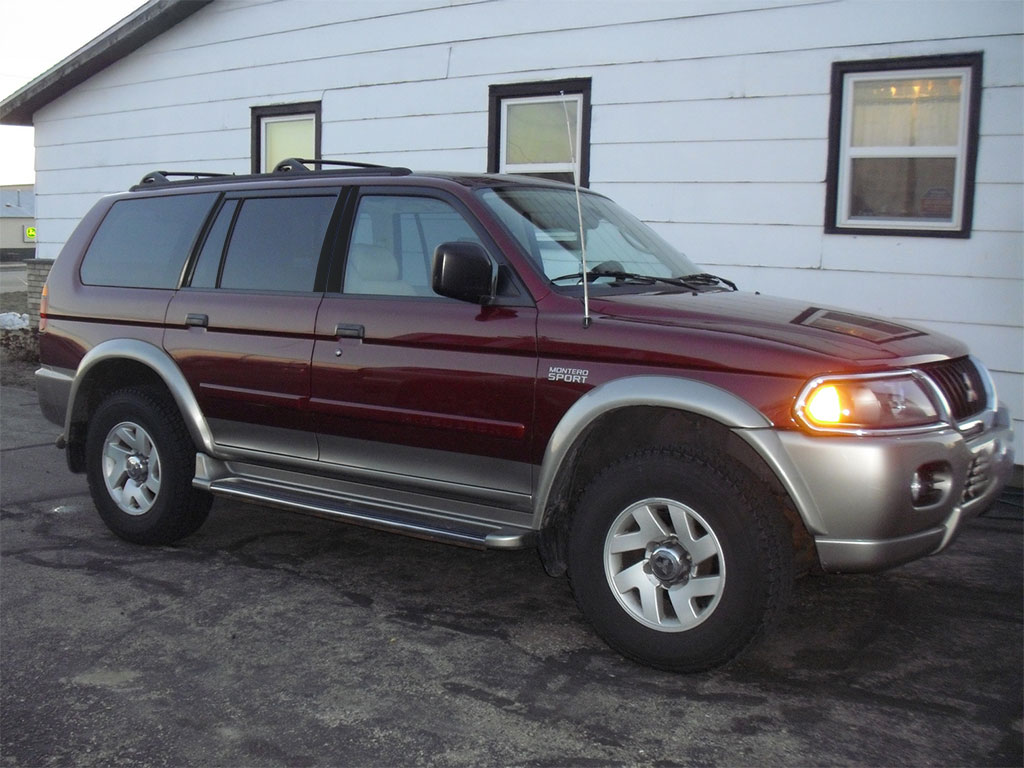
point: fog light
(930, 484)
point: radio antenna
(579, 214)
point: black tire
(140, 461)
(679, 560)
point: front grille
(961, 384)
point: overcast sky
(35, 35)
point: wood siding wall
(710, 121)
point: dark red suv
(502, 362)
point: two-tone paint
(441, 418)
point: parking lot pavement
(270, 639)
(12, 277)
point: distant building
(17, 222)
(848, 153)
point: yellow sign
(28, 234)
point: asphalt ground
(12, 277)
(272, 639)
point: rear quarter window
(144, 243)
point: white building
(857, 153)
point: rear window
(144, 243)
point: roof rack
(299, 165)
(293, 165)
(164, 177)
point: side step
(461, 532)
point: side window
(393, 243)
(208, 265)
(275, 244)
(144, 243)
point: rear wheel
(140, 461)
(678, 559)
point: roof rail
(299, 165)
(164, 177)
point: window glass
(907, 112)
(144, 243)
(542, 136)
(276, 243)
(285, 137)
(537, 131)
(205, 273)
(393, 243)
(545, 221)
(902, 188)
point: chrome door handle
(349, 331)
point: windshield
(545, 221)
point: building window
(541, 129)
(903, 141)
(283, 131)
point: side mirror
(463, 271)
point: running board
(461, 532)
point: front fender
(156, 360)
(660, 391)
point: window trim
(258, 114)
(838, 158)
(551, 89)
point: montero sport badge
(569, 375)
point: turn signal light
(44, 306)
(888, 401)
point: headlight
(887, 401)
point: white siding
(710, 120)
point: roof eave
(129, 34)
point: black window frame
(282, 110)
(580, 86)
(970, 61)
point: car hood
(830, 331)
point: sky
(35, 35)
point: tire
(679, 560)
(140, 461)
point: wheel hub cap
(670, 563)
(137, 468)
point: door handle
(349, 331)
(196, 320)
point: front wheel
(678, 559)
(140, 461)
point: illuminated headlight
(871, 402)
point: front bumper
(854, 493)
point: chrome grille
(961, 384)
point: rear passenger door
(242, 329)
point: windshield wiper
(693, 282)
(705, 278)
(597, 272)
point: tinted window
(275, 245)
(394, 240)
(144, 243)
(205, 273)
